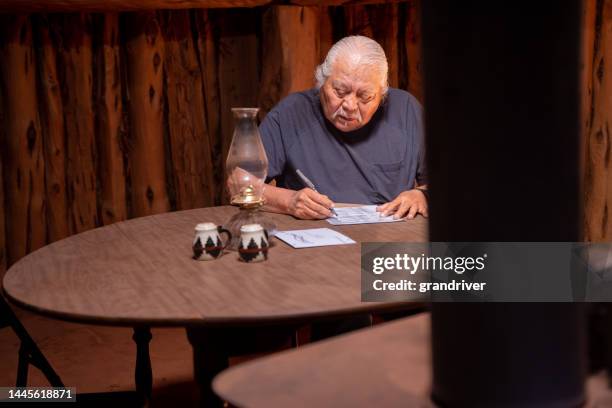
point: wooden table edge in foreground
(217, 322)
(387, 365)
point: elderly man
(355, 138)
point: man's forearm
(277, 199)
(305, 204)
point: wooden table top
(384, 366)
(141, 272)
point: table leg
(22, 366)
(29, 353)
(143, 373)
(210, 357)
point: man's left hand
(411, 202)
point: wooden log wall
(75, 52)
(597, 120)
(109, 121)
(2, 231)
(107, 116)
(22, 143)
(112, 115)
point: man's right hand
(307, 204)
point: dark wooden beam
(34, 6)
(503, 128)
(22, 147)
(189, 142)
(597, 120)
(146, 155)
(290, 52)
(110, 126)
(76, 61)
(51, 111)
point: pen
(309, 184)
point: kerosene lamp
(247, 168)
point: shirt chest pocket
(388, 173)
(388, 179)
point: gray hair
(362, 50)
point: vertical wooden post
(379, 22)
(208, 60)
(290, 52)
(110, 127)
(52, 123)
(189, 140)
(21, 139)
(2, 229)
(490, 148)
(145, 58)
(412, 44)
(356, 20)
(598, 127)
(589, 14)
(77, 68)
(239, 66)
(385, 28)
(326, 32)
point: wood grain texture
(239, 67)
(387, 366)
(110, 125)
(141, 271)
(119, 5)
(598, 175)
(208, 52)
(341, 2)
(589, 15)
(290, 49)
(2, 229)
(379, 22)
(22, 147)
(76, 60)
(54, 137)
(190, 144)
(357, 21)
(385, 28)
(412, 70)
(136, 5)
(145, 58)
(326, 32)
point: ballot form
(365, 214)
(314, 237)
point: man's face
(351, 95)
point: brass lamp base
(247, 199)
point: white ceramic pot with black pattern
(254, 243)
(207, 244)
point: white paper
(366, 214)
(313, 237)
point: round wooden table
(385, 366)
(140, 273)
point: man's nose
(349, 103)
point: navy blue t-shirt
(371, 165)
